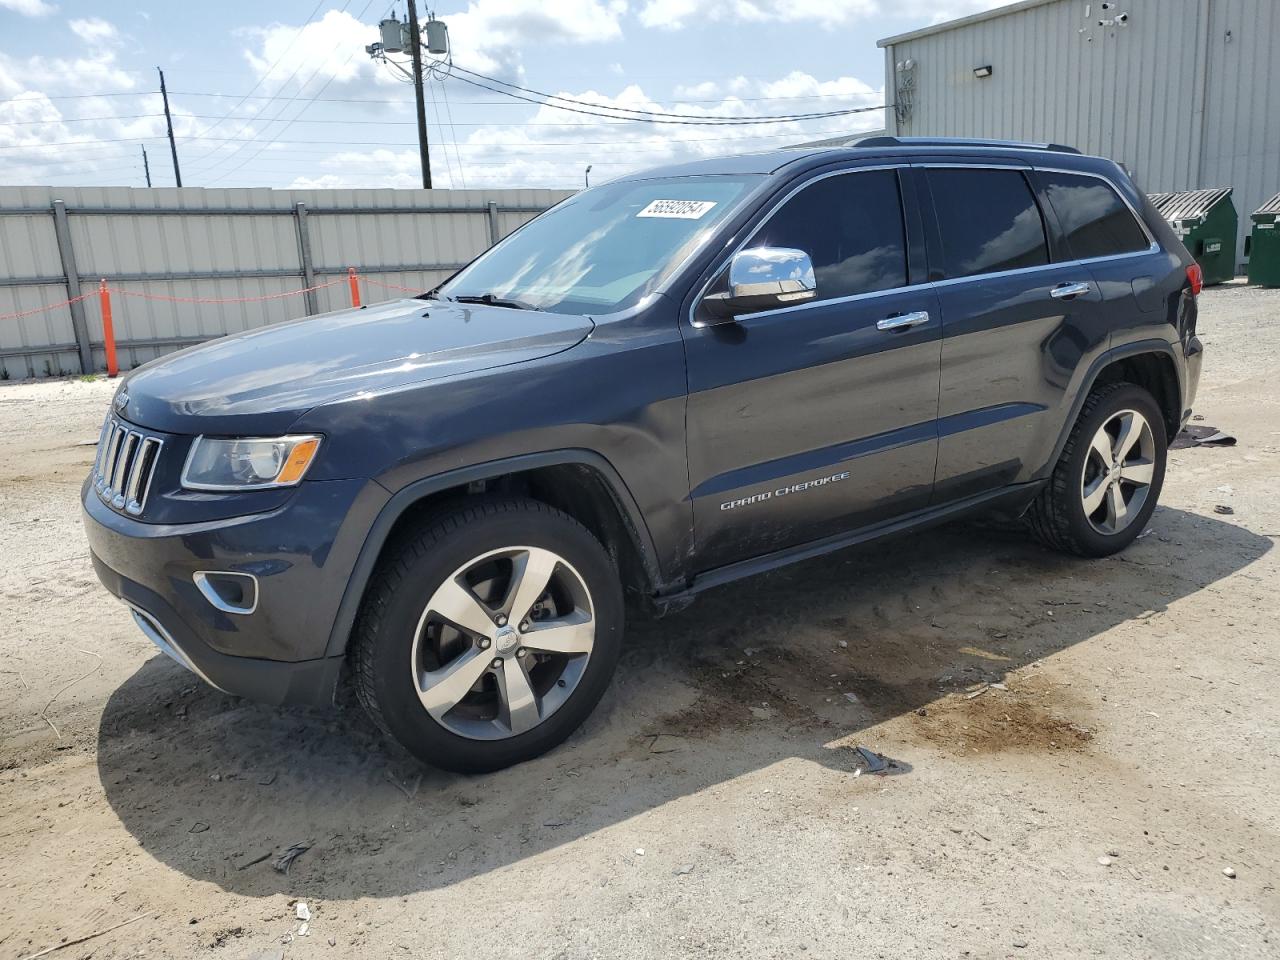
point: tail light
(1195, 276)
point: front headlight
(254, 464)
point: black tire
(417, 564)
(1057, 516)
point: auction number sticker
(677, 209)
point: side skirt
(1007, 501)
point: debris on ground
(88, 936)
(302, 911)
(1195, 435)
(683, 870)
(282, 863)
(1104, 861)
(868, 761)
(255, 860)
(1229, 873)
(1223, 509)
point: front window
(604, 249)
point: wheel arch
(580, 482)
(1151, 364)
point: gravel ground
(714, 806)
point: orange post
(108, 329)
(353, 279)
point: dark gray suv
(665, 383)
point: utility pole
(415, 42)
(146, 167)
(173, 147)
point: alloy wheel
(1118, 472)
(503, 642)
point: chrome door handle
(1066, 290)
(903, 321)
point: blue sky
(283, 94)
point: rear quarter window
(1095, 220)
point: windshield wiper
(492, 300)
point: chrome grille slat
(120, 474)
(125, 465)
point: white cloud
(552, 148)
(28, 8)
(674, 14)
(292, 58)
(490, 34)
(697, 91)
(94, 30)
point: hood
(260, 382)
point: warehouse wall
(1184, 95)
(222, 244)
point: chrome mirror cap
(763, 278)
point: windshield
(603, 249)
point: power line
(287, 80)
(275, 64)
(128, 116)
(305, 106)
(658, 116)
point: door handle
(1065, 291)
(903, 321)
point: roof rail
(960, 142)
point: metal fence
(194, 263)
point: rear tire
(446, 664)
(1105, 484)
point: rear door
(806, 421)
(1015, 325)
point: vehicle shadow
(792, 666)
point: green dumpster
(1207, 223)
(1262, 246)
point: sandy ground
(713, 805)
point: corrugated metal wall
(233, 244)
(1185, 94)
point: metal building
(1186, 93)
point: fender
(1100, 362)
(411, 493)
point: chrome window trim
(702, 292)
(1154, 246)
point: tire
(1060, 515)
(410, 661)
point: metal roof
(1188, 204)
(963, 21)
(1271, 206)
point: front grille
(126, 460)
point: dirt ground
(714, 806)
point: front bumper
(301, 555)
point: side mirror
(763, 278)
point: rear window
(1096, 222)
(989, 221)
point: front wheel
(489, 635)
(1105, 485)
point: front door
(807, 421)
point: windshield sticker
(677, 209)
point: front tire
(1105, 484)
(488, 635)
